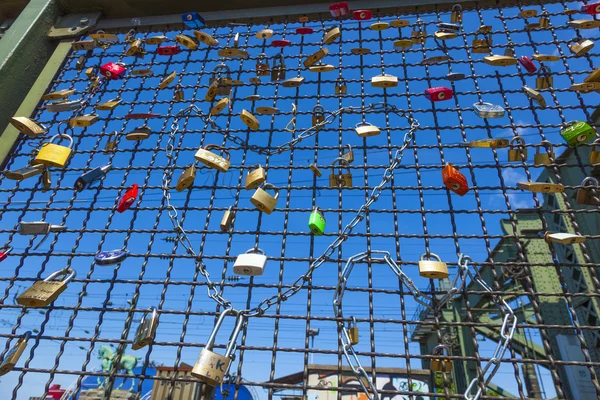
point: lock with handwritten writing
(263, 201)
(212, 160)
(517, 151)
(340, 179)
(455, 180)
(54, 155)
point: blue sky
(419, 174)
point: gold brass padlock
(362, 50)
(528, 13)
(28, 126)
(58, 95)
(83, 45)
(595, 153)
(588, 194)
(293, 82)
(83, 120)
(54, 155)
(563, 238)
(322, 68)
(256, 177)
(11, 358)
(219, 106)
(318, 116)
(384, 81)
(142, 72)
(419, 34)
(262, 65)
(544, 21)
(109, 105)
(332, 35)
(227, 220)
(315, 170)
(24, 173)
(456, 16)
(249, 120)
(581, 47)
(340, 86)
(146, 330)
(349, 155)
(500, 61)
(141, 133)
(584, 23)
(42, 293)
(399, 23)
(264, 34)
(91, 73)
(263, 201)
(316, 57)
(186, 179)
(544, 79)
(135, 48)
(156, 40)
(541, 187)
(519, 153)
(46, 180)
(340, 179)
(443, 35)
(212, 91)
(365, 129)
(278, 69)
(206, 38)
(481, 45)
(543, 158)
(111, 144)
(432, 269)
(545, 57)
(178, 94)
(353, 331)
(441, 364)
(186, 41)
(167, 81)
(212, 160)
(266, 110)
(535, 96)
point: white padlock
(251, 263)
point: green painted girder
(519, 343)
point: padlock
(399, 23)
(255, 177)
(28, 126)
(127, 200)
(379, 26)
(588, 194)
(281, 43)
(439, 93)
(266, 110)
(293, 82)
(544, 79)
(178, 94)
(322, 68)
(441, 364)
(264, 34)
(46, 180)
(80, 64)
(445, 35)
(212, 91)
(586, 87)
(517, 151)
(455, 180)
(304, 30)
(109, 105)
(584, 23)
(316, 222)
(544, 21)
(212, 160)
(581, 47)
(193, 20)
(349, 155)
(219, 106)
(527, 64)
(59, 94)
(332, 35)
(419, 34)
(111, 144)
(167, 80)
(436, 269)
(595, 153)
(340, 86)
(340, 180)
(563, 238)
(316, 57)
(91, 73)
(365, 129)
(593, 8)
(156, 40)
(500, 61)
(211, 367)
(403, 43)
(262, 65)
(338, 10)
(535, 96)
(223, 88)
(456, 16)
(315, 170)
(140, 133)
(11, 358)
(107, 37)
(24, 173)
(146, 330)
(455, 76)
(111, 257)
(227, 220)
(543, 158)
(136, 48)
(42, 293)
(87, 178)
(352, 331)
(541, 187)
(384, 81)
(251, 263)
(4, 251)
(206, 38)
(54, 155)
(577, 133)
(186, 41)
(488, 110)
(362, 15)
(263, 201)
(249, 120)
(480, 46)
(318, 116)
(113, 70)
(83, 120)
(86, 45)
(278, 69)
(490, 143)
(186, 179)
(528, 13)
(168, 50)
(434, 60)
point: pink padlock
(113, 70)
(593, 8)
(4, 253)
(528, 64)
(439, 93)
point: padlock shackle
(590, 181)
(231, 345)
(277, 57)
(213, 335)
(255, 250)
(429, 256)
(150, 310)
(352, 321)
(545, 70)
(518, 139)
(341, 161)
(546, 144)
(253, 167)
(220, 67)
(25, 336)
(270, 186)
(215, 146)
(66, 271)
(439, 350)
(318, 109)
(457, 8)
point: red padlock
(141, 116)
(593, 8)
(304, 31)
(339, 10)
(168, 50)
(4, 253)
(113, 70)
(455, 180)
(128, 198)
(280, 43)
(528, 64)
(362, 15)
(439, 93)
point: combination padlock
(140, 133)
(249, 120)
(332, 35)
(251, 263)
(488, 110)
(439, 93)
(28, 126)
(262, 65)
(588, 194)
(544, 79)
(211, 367)
(543, 158)
(340, 86)
(349, 155)
(256, 177)
(577, 133)
(113, 70)
(226, 220)
(186, 179)
(12, 356)
(54, 155)
(384, 81)
(146, 330)
(316, 57)
(127, 200)
(517, 151)
(455, 180)
(365, 129)
(595, 153)
(88, 177)
(353, 331)
(42, 293)
(24, 173)
(193, 20)
(316, 222)
(432, 269)
(278, 69)
(441, 364)
(318, 116)
(581, 47)
(340, 179)
(212, 160)
(456, 16)
(263, 201)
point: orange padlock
(455, 180)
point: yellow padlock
(263, 201)
(433, 269)
(517, 154)
(249, 120)
(581, 47)
(544, 79)
(186, 41)
(212, 160)
(167, 81)
(28, 126)
(384, 81)
(206, 38)
(220, 106)
(441, 364)
(365, 129)
(316, 57)
(595, 153)
(83, 120)
(332, 35)
(54, 155)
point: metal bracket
(73, 25)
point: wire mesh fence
(517, 314)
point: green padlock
(316, 222)
(577, 133)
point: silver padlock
(251, 263)
(146, 330)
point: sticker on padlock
(168, 50)
(255, 177)
(54, 155)
(24, 173)
(365, 129)
(340, 179)
(488, 110)
(316, 222)
(211, 368)
(441, 364)
(42, 293)
(535, 96)
(111, 257)
(249, 120)
(581, 47)
(263, 201)
(517, 151)
(384, 81)
(186, 41)
(127, 200)
(541, 187)
(527, 64)
(28, 126)
(577, 133)
(113, 70)
(146, 330)
(316, 57)
(332, 35)
(439, 93)
(563, 238)
(11, 358)
(211, 160)
(454, 180)
(543, 158)
(227, 219)
(193, 20)
(588, 194)
(339, 10)
(186, 179)
(436, 269)
(251, 263)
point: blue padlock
(84, 180)
(193, 20)
(111, 257)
